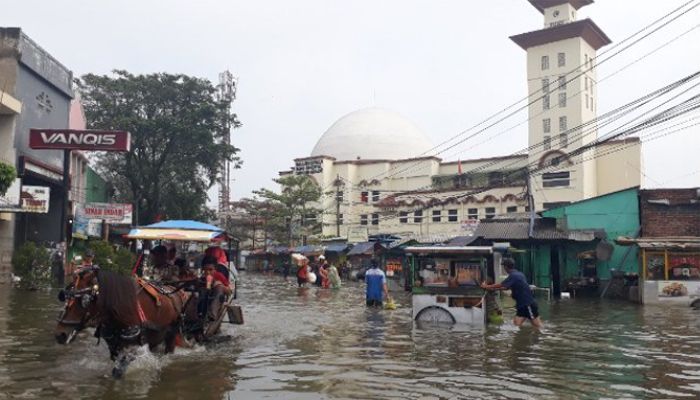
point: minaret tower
(561, 66)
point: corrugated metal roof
(364, 249)
(462, 240)
(544, 229)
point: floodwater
(322, 344)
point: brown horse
(123, 311)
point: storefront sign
(113, 213)
(357, 235)
(35, 199)
(71, 139)
(28, 199)
(83, 227)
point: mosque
(380, 175)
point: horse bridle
(86, 296)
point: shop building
(43, 87)
(669, 245)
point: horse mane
(117, 297)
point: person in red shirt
(217, 288)
(302, 269)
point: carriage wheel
(435, 315)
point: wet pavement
(318, 344)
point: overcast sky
(302, 64)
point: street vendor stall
(445, 283)
(670, 269)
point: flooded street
(311, 344)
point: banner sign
(28, 199)
(35, 199)
(72, 139)
(113, 213)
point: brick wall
(681, 217)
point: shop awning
(449, 249)
(337, 248)
(365, 249)
(308, 250)
(279, 250)
(176, 234)
(661, 243)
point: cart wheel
(435, 315)
(695, 304)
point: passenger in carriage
(163, 271)
(217, 288)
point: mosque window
(547, 143)
(375, 196)
(545, 102)
(561, 59)
(562, 100)
(586, 101)
(452, 215)
(364, 197)
(562, 124)
(473, 213)
(403, 217)
(490, 212)
(512, 209)
(418, 217)
(363, 219)
(545, 62)
(563, 139)
(562, 82)
(375, 219)
(545, 85)
(339, 196)
(556, 179)
(585, 82)
(437, 215)
(546, 125)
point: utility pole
(337, 205)
(531, 205)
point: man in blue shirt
(525, 304)
(376, 285)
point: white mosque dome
(372, 134)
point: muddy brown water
(322, 344)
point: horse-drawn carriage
(128, 311)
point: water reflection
(311, 343)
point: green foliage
(294, 207)
(8, 174)
(177, 129)
(120, 261)
(32, 263)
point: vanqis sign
(71, 139)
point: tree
(296, 206)
(7, 177)
(177, 129)
(256, 222)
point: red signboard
(71, 139)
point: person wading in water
(525, 304)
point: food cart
(445, 282)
